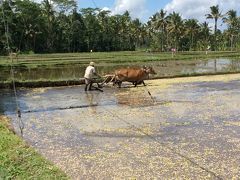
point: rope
(20, 122)
(149, 93)
(18, 111)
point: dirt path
(190, 130)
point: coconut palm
(92, 27)
(157, 27)
(175, 28)
(231, 21)
(161, 23)
(215, 14)
(192, 29)
(103, 19)
(204, 36)
(137, 29)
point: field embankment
(19, 161)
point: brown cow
(133, 75)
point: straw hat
(92, 64)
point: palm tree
(137, 31)
(215, 14)
(161, 23)
(175, 28)
(192, 29)
(157, 27)
(78, 32)
(238, 35)
(204, 35)
(103, 18)
(92, 27)
(49, 14)
(151, 30)
(125, 31)
(231, 21)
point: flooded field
(163, 69)
(190, 129)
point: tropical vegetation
(56, 26)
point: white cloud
(198, 8)
(106, 9)
(37, 1)
(135, 7)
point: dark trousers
(88, 84)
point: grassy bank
(42, 60)
(41, 83)
(18, 161)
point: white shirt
(89, 72)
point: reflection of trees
(226, 65)
(1, 106)
(48, 73)
(235, 64)
(7, 102)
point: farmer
(90, 72)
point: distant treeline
(58, 26)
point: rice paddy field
(37, 69)
(189, 129)
(178, 128)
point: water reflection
(163, 69)
(218, 65)
(90, 100)
(7, 101)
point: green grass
(19, 161)
(36, 60)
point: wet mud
(190, 129)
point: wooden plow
(103, 81)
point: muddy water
(190, 129)
(163, 69)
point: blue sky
(143, 9)
(151, 6)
